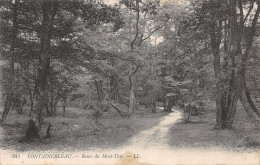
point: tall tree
(243, 55)
(49, 9)
(64, 40)
(9, 95)
(226, 23)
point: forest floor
(200, 133)
(78, 130)
(166, 135)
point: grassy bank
(200, 132)
(78, 130)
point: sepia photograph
(129, 82)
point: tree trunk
(98, 85)
(131, 99)
(252, 112)
(8, 101)
(55, 102)
(153, 105)
(32, 130)
(55, 105)
(164, 104)
(170, 104)
(30, 97)
(49, 9)
(121, 113)
(47, 104)
(1, 87)
(52, 103)
(31, 106)
(215, 38)
(226, 100)
(237, 30)
(64, 106)
(231, 101)
(113, 85)
(218, 111)
(231, 110)
(17, 92)
(18, 103)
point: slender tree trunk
(136, 24)
(18, 103)
(1, 85)
(215, 42)
(17, 95)
(64, 106)
(56, 100)
(47, 104)
(52, 103)
(153, 105)
(8, 101)
(113, 85)
(131, 97)
(132, 104)
(98, 85)
(165, 100)
(31, 104)
(29, 91)
(89, 101)
(28, 88)
(55, 107)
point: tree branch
(248, 13)
(241, 13)
(114, 87)
(137, 22)
(252, 33)
(156, 30)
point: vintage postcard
(129, 82)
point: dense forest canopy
(129, 54)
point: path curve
(156, 137)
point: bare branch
(156, 30)
(248, 13)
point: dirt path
(150, 146)
(156, 141)
(155, 138)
